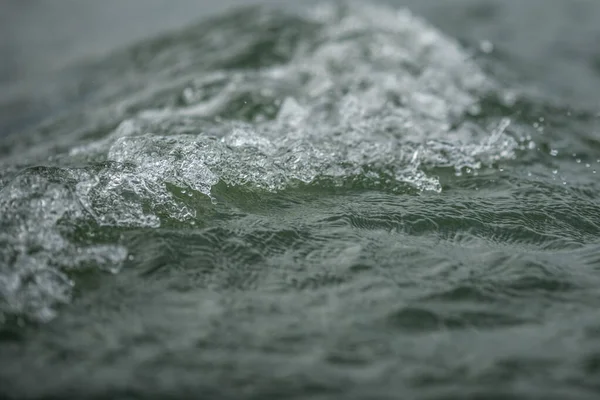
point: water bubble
(509, 98)
(486, 46)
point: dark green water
(345, 203)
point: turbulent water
(338, 203)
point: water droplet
(587, 165)
(509, 98)
(578, 161)
(555, 172)
(486, 46)
(553, 152)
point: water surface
(342, 202)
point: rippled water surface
(338, 203)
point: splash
(337, 96)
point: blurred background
(551, 43)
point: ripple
(342, 199)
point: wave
(350, 96)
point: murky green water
(345, 203)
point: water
(342, 202)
